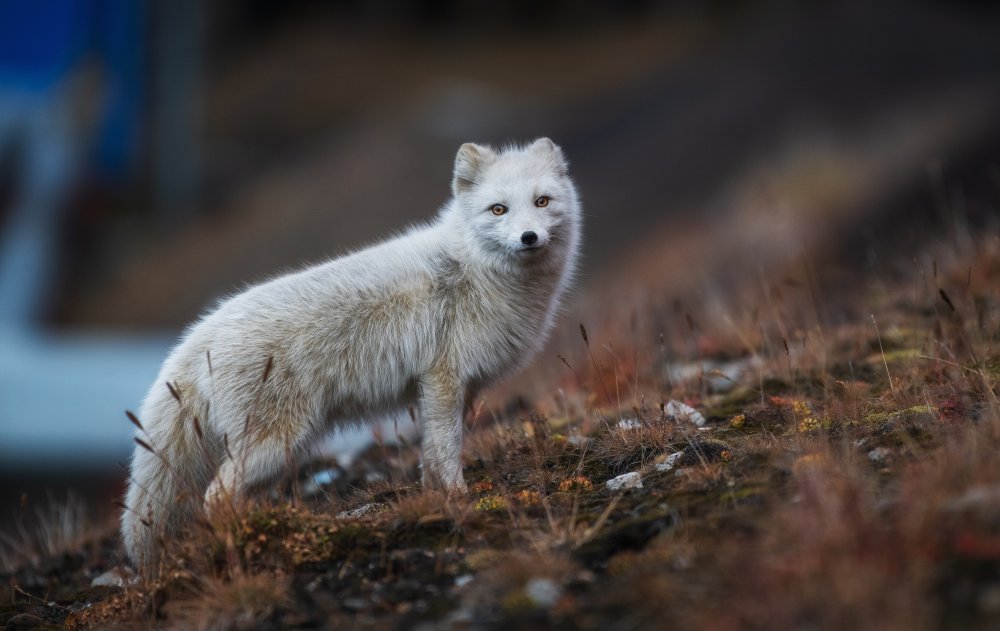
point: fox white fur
(428, 317)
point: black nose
(529, 238)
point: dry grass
(847, 478)
(236, 603)
(46, 531)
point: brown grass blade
(134, 419)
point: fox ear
(545, 146)
(469, 164)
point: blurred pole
(177, 96)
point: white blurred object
(682, 412)
(63, 400)
(115, 577)
(629, 423)
(543, 592)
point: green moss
(876, 418)
(896, 356)
(742, 494)
(992, 367)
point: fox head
(515, 206)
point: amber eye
(542, 201)
(498, 209)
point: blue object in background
(43, 42)
(62, 397)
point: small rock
(982, 498)
(625, 481)
(543, 592)
(463, 580)
(880, 455)
(24, 621)
(115, 577)
(681, 412)
(629, 423)
(669, 462)
(362, 511)
(720, 376)
(354, 604)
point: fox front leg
(441, 400)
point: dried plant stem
(885, 362)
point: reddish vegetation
(847, 478)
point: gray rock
(115, 577)
(625, 481)
(543, 592)
(362, 511)
(669, 462)
(880, 455)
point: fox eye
(498, 209)
(542, 201)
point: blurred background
(155, 156)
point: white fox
(428, 317)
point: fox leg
(441, 400)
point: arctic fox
(428, 317)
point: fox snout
(531, 239)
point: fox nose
(529, 238)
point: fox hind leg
(246, 467)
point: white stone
(577, 440)
(543, 592)
(669, 462)
(721, 376)
(625, 481)
(362, 511)
(629, 423)
(682, 412)
(879, 455)
(115, 577)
